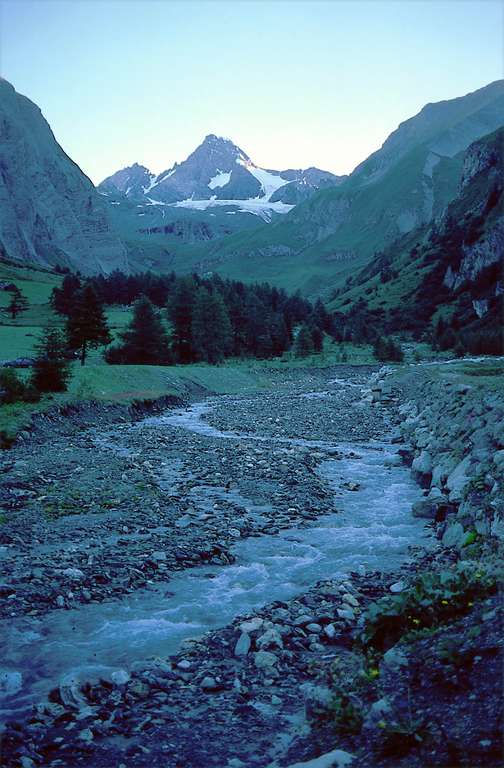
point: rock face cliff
(50, 212)
(480, 204)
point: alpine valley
(251, 424)
(218, 212)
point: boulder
(251, 625)
(498, 460)
(337, 759)
(242, 646)
(209, 684)
(454, 536)
(330, 631)
(458, 479)
(120, 677)
(395, 657)
(73, 573)
(422, 466)
(346, 613)
(270, 639)
(265, 659)
(422, 437)
(318, 699)
(497, 528)
(428, 508)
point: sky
(293, 83)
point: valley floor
(271, 520)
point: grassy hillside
(18, 337)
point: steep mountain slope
(404, 185)
(218, 173)
(50, 212)
(453, 268)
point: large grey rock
(458, 479)
(337, 758)
(74, 573)
(498, 460)
(395, 657)
(441, 470)
(270, 639)
(346, 613)
(428, 507)
(422, 465)
(265, 659)
(242, 646)
(454, 536)
(497, 528)
(251, 625)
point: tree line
(194, 319)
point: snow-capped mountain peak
(219, 172)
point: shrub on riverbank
(437, 597)
(14, 390)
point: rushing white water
(371, 529)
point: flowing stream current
(371, 529)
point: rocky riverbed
(91, 513)
(271, 519)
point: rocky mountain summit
(131, 181)
(50, 212)
(218, 170)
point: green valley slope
(453, 268)
(404, 185)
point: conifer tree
(180, 312)
(317, 338)
(63, 298)
(145, 341)
(280, 336)
(17, 304)
(51, 369)
(304, 342)
(321, 318)
(211, 329)
(87, 325)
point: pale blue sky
(293, 83)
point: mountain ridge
(220, 172)
(450, 273)
(338, 230)
(50, 212)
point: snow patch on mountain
(219, 180)
(269, 182)
(257, 205)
